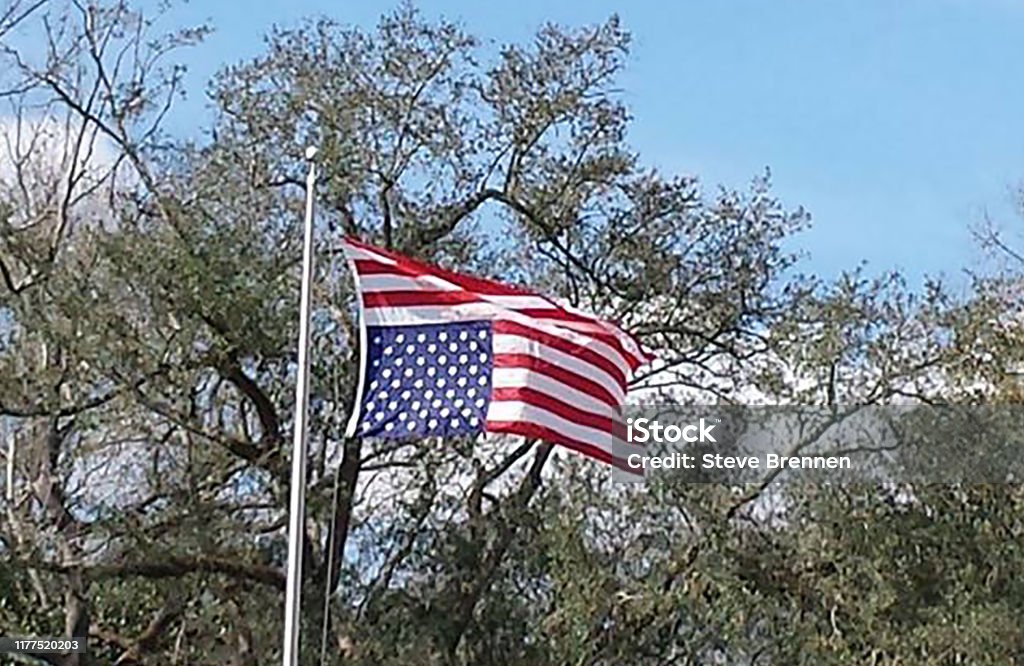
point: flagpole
(297, 506)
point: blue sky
(896, 123)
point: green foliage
(147, 328)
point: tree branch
(171, 566)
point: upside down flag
(446, 354)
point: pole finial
(311, 152)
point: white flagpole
(297, 507)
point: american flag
(447, 354)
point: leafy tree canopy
(147, 361)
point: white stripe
(378, 283)
(521, 343)
(393, 282)
(431, 314)
(352, 253)
(626, 339)
(521, 377)
(504, 343)
(595, 327)
(446, 314)
(599, 347)
(520, 411)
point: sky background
(897, 123)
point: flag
(447, 354)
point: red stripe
(533, 430)
(558, 373)
(563, 345)
(409, 266)
(412, 298)
(374, 267)
(561, 408)
(608, 338)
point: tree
(148, 363)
